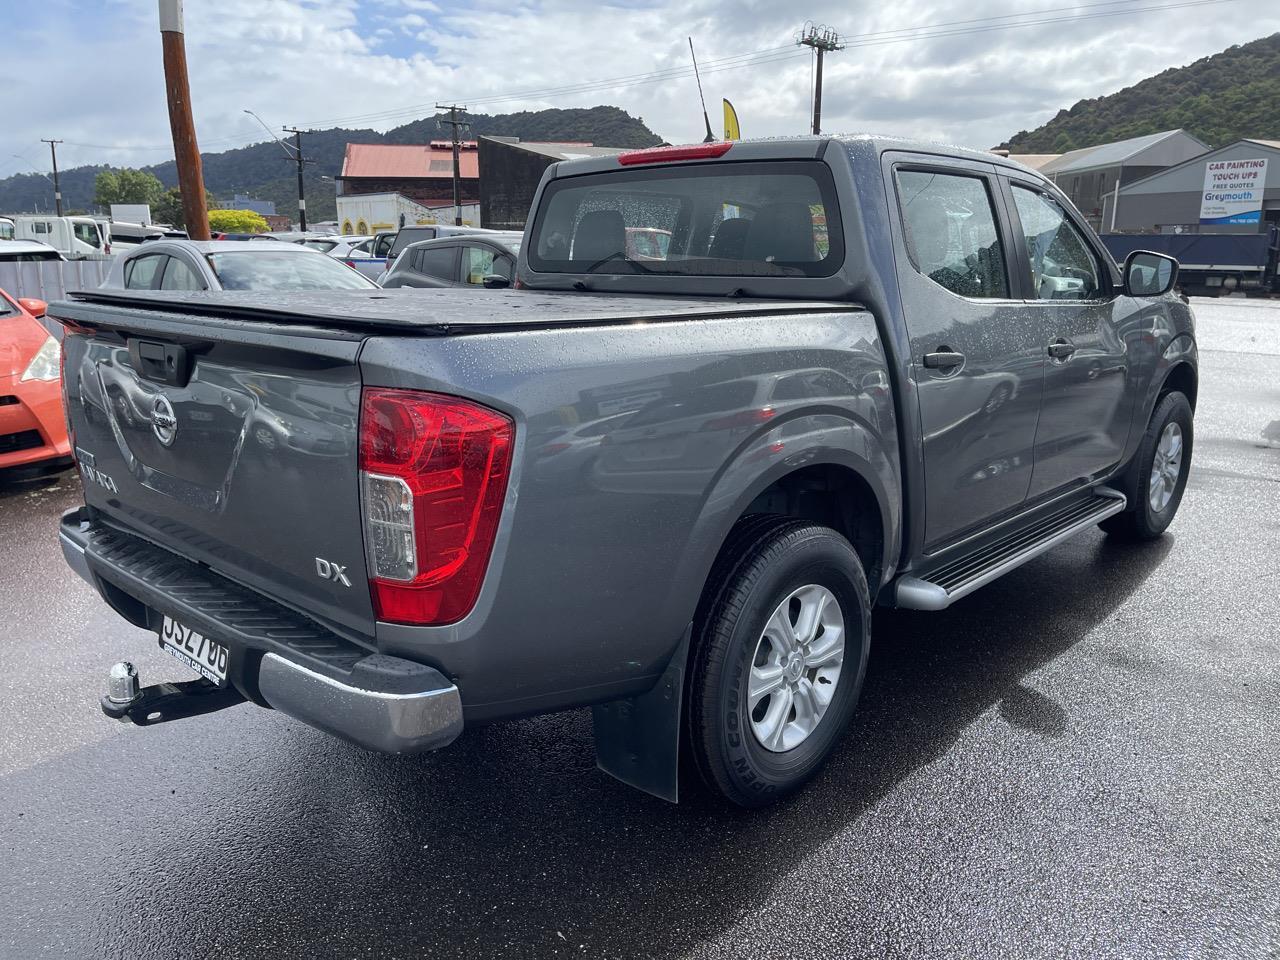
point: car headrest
(781, 232)
(600, 234)
(730, 239)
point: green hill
(263, 171)
(1225, 97)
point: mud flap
(638, 739)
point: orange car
(33, 429)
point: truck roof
(433, 312)
(803, 147)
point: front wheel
(780, 650)
(1160, 470)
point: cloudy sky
(89, 71)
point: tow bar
(128, 702)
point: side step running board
(966, 573)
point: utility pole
(186, 151)
(57, 193)
(297, 156)
(823, 40)
(455, 124)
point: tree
(236, 221)
(168, 209)
(126, 186)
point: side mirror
(496, 281)
(36, 307)
(1148, 274)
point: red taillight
(350, 263)
(692, 151)
(433, 473)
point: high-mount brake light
(433, 474)
(692, 151)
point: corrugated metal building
(510, 170)
(1091, 176)
(1173, 200)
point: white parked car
(25, 251)
(230, 265)
(337, 247)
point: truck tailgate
(232, 445)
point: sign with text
(1233, 191)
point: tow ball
(129, 702)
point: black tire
(765, 560)
(1140, 521)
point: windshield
(729, 219)
(324, 246)
(262, 270)
(6, 229)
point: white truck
(76, 238)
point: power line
(767, 55)
(774, 54)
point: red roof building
(421, 172)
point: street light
(283, 146)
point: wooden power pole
(57, 190)
(186, 152)
(823, 40)
(302, 192)
(455, 124)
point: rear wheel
(780, 651)
(1158, 475)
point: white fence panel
(51, 279)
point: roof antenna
(710, 138)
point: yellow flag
(731, 131)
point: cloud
(320, 61)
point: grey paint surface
(646, 425)
(1088, 777)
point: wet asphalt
(1080, 760)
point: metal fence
(51, 279)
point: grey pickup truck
(740, 394)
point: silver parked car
(471, 260)
(230, 265)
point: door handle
(943, 359)
(1061, 349)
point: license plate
(206, 657)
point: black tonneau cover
(432, 312)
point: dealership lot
(1077, 760)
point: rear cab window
(744, 219)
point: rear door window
(436, 262)
(952, 234)
(766, 219)
(179, 276)
(140, 272)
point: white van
(76, 238)
(6, 228)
